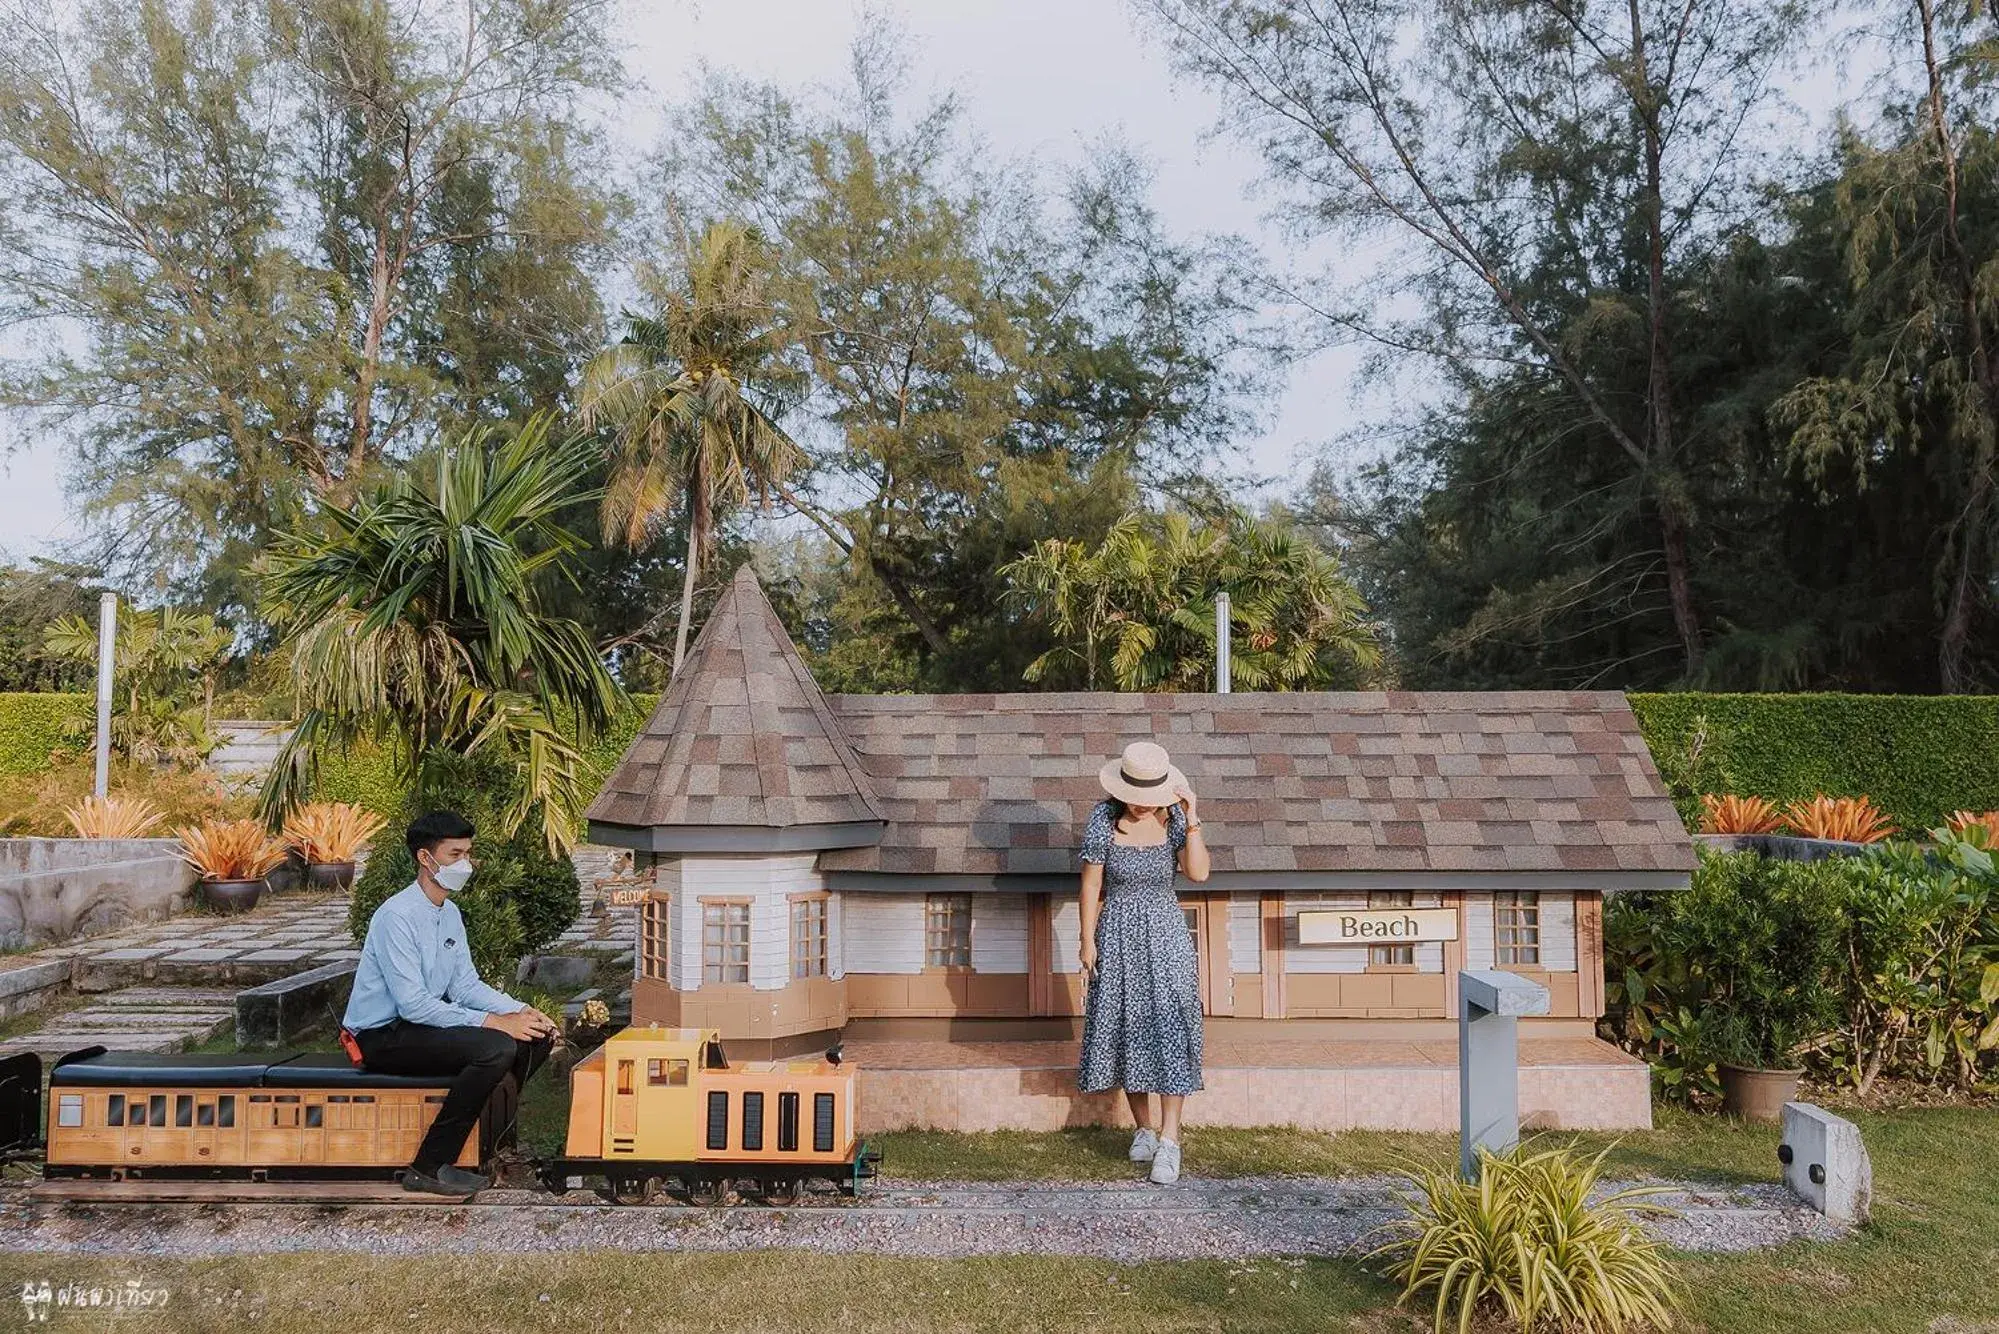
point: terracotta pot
(1757, 1095)
(330, 875)
(287, 875)
(232, 895)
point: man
(419, 1008)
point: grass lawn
(1924, 1266)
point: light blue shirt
(416, 966)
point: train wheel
(634, 1190)
(708, 1191)
(784, 1193)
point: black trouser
(475, 1058)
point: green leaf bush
(1526, 1244)
(1881, 964)
(35, 729)
(522, 897)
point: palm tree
(1142, 604)
(415, 617)
(694, 393)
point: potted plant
(329, 835)
(232, 858)
(1762, 939)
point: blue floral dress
(1142, 1018)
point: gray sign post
(1489, 1001)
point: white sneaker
(1166, 1163)
(1144, 1144)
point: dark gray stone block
(282, 1011)
(555, 972)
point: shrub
(38, 805)
(523, 896)
(1526, 1243)
(1919, 756)
(1745, 968)
(326, 832)
(1922, 955)
(33, 727)
(1738, 815)
(231, 850)
(1842, 819)
(1988, 821)
(112, 816)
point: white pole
(107, 636)
(1221, 643)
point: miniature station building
(901, 870)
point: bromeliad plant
(1739, 815)
(1527, 1243)
(1841, 819)
(327, 833)
(112, 817)
(231, 849)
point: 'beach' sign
(1377, 926)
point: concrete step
(162, 998)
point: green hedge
(32, 725)
(1919, 757)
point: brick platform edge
(1415, 1098)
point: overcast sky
(1041, 79)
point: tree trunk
(686, 599)
(360, 437)
(1659, 372)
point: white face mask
(453, 877)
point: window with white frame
(808, 937)
(1392, 955)
(1516, 928)
(725, 942)
(655, 922)
(947, 931)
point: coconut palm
(694, 393)
(1140, 606)
(415, 618)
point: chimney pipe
(1221, 643)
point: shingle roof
(743, 736)
(1440, 782)
(982, 785)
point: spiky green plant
(1526, 1243)
(415, 618)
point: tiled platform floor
(1565, 1083)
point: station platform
(1569, 1082)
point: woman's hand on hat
(1185, 796)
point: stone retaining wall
(56, 889)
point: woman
(1142, 1018)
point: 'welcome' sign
(1377, 926)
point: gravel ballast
(1128, 1222)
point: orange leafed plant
(1986, 820)
(1844, 819)
(231, 849)
(1739, 815)
(112, 817)
(326, 832)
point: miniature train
(654, 1113)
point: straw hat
(1142, 776)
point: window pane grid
(947, 931)
(654, 925)
(1516, 927)
(725, 942)
(808, 938)
(1392, 954)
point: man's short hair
(433, 828)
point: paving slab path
(151, 1019)
(1129, 1222)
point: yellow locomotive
(653, 1112)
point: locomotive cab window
(673, 1074)
(712, 1057)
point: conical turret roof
(743, 740)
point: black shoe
(448, 1181)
